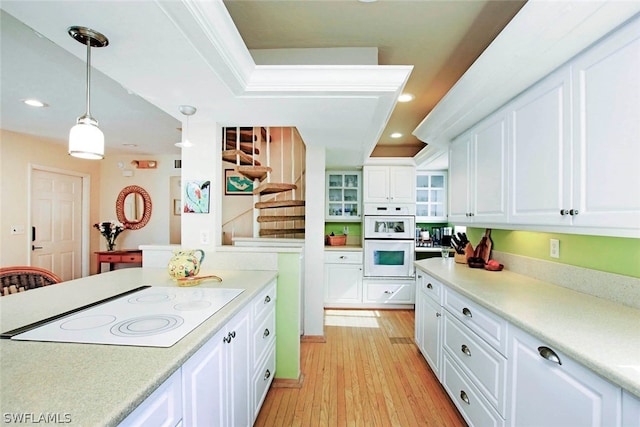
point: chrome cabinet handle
(267, 299)
(464, 397)
(429, 286)
(549, 354)
(465, 350)
(343, 257)
(467, 312)
(438, 314)
(573, 212)
(267, 375)
(266, 333)
(564, 212)
(388, 292)
(226, 339)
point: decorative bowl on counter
(476, 262)
(492, 267)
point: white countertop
(600, 334)
(98, 384)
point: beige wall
(19, 152)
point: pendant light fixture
(86, 140)
(188, 111)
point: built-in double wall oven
(389, 245)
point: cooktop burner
(151, 317)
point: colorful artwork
(236, 183)
(196, 197)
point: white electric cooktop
(151, 317)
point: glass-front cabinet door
(343, 196)
(431, 196)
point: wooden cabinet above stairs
(277, 212)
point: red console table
(126, 256)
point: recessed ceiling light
(130, 145)
(396, 135)
(34, 103)
(367, 1)
(405, 97)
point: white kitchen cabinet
(431, 196)
(342, 278)
(606, 100)
(547, 388)
(343, 196)
(574, 141)
(389, 291)
(264, 346)
(478, 173)
(630, 410)
(216, 378)
(389, 184)
(540, 155)
(162, 408)
(428, 320)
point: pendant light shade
(86, 140)
(188, 111)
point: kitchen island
(89, 384)
(599, 334)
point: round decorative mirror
(133, 207)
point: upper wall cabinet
(606, 132)
(431, 196)
(343, 197)
(478, 173)
(389, 184)
(572, 149)
(540, 155)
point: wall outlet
(554, 248)
(204, 237)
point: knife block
(460, 258)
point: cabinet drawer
(264, 303)
(430, 286)
(343, 257)
(262, 380)
(487, 325)
(467, 398)
(110, 258)
(481, 362)
(134, 258)
(263, 335)
(390, 293)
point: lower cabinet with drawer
(342, 278)
(499, 375)
(225, 382)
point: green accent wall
(617, 255)
(337, 228)
(287, 309)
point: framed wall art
(196, 197)
(236, 184)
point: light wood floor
(368, 373)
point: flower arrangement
(110, 230)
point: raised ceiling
(440, 39)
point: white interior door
(56, 218)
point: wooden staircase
(240, 148)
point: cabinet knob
(564, 212)
(573, 212)
(465, 350)
(343, 257)
(267, 375)
(266, 333)
(438, 314)
(388, 292)
(464, 397)
(467, 312)
(429, 286)
(549, 354)
(267, 299)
